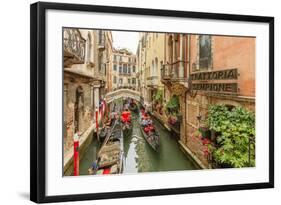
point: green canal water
(140, 157)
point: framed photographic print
(129, 102)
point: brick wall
(85, 110)
(199, 105)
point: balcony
(125, 74)
(74, 47)
(152, 81)
(173, 73)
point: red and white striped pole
(76, 155)
(97, 122)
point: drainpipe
(188, 55)
(188, 41)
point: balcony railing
(173, 72)
(152, 81)
(74, 46)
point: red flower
(206, 152)
(205, 141)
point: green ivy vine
(158, 96)
(173, 104)
(235, 128)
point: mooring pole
(97, 123)
(76, 154)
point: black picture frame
(38, 100)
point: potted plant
(172, 119)
(205, 131)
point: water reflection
(140, 157)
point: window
(134, 69)
(114, 79)
(120, 58)
(129, 69)
(155, 69)
(133, 80)
(89, 45)
(100, 62)
(205, 52)
(124, 68)
(129, 81)
(115, 67)
(120, 81)
(101, 37)
(170, 49)
(120, 68)
(152, 68)
(129, 59)
(115, 57)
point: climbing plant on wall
(158, 96)
(236, 132)
(173, 104)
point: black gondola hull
(152, 140)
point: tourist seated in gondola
(149, 128)
(144, 115)
(107, 122)
(146, 120)
(142, 111)
(126, 116)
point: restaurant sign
(203, 81)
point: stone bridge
(122, 93)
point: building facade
(222, 73)
(124, 70)
(194, 72)
(86, 61)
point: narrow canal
(140, 157)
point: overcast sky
(129, 40)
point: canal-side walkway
(85, 139)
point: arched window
(125, 68)
(205, 52)
(155, 67)
(152, 70)
(78, 108)
(170, 47)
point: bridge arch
(122, 93)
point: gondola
(103, 134)
(127, 128)
(110, 156)
(126, 122)
(152, 138)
